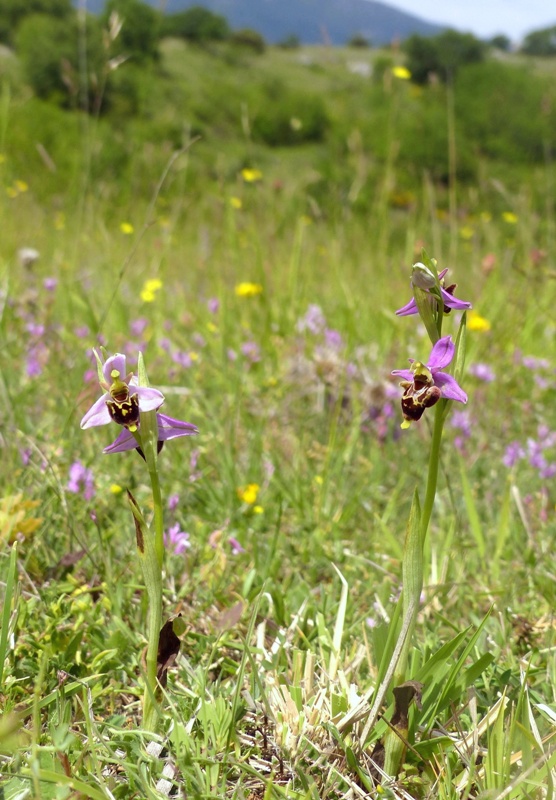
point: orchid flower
(123, 399)
(447, 293)
(425, 384)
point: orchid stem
(434, 461)
(152, 566)
(158, 521)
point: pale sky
(485, 18)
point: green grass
(277, 647)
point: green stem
(152, 569)
(434, 461)
(158, 517)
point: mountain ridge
(311, 21)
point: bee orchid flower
(123, 399)
(419, 279)
(425, 384)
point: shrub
(249, 39)
(500, 42)
(15, 11)
(197, 24)
(441, 55)
(290, 117)
(291, 42)
(358, 40)
(140, 33)
(540, 43)
(48, 48)
(506, 110)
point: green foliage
(289, 117)
(197, 24)
(249, 39)
(501, 42)
(358, 40)
(52, 52)
(540, 43)
(291, 42)
(14, 11)
(506, 111)
(442, 55)
(140, 33)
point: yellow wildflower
(248, 494)
(236, 203)
(319, 480)
(251, 175)
(477, 323)
(11, 191)
(149, 290)
(126, 228)
(258, 510)
(21, 186)
(466, 232)
(115, 488)
(402, 73)
(248, 289)
(510, 217)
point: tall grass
(287, 636)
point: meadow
(249, 224)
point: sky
(485, 18)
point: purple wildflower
(482, 372)
(80, 480)
(82, 331)
(176, 539)
(251, 351)
(314, 320)
(532, 362)
(447, 293)
(33, 364)
(333, 339)
(173, 501)
(514, 452)
(168, 428)
(424, 385)
(235, 545)
(194, 474)
(50, 284)
(182, 358)
(213, 305)
(138, 326)
(25, 455)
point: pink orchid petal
(149, 399)
(114, 363)
(404, 374)
(97, 414)
(441, 354)
(408, 309)
(450, 388)
(125, 441)
(453, 302)
(169, 428)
